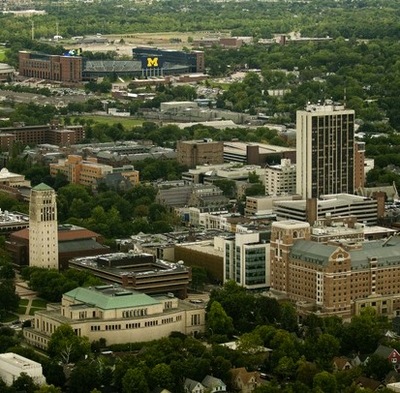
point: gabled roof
(191, 384)
(211, 382)
(341, 362)
(383, 351)
(244, 375)
(368, 383)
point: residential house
(391, 354)
(341, 363)
(213, 384)
(192, 386)
(368, 383)
(245, 381)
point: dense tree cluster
(51, 284)
(301, 359)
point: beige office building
(118, 315)
(280, 179)
(324, 150)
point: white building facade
(246, 260)
(280, 179)
(12, 365)
(118, 315)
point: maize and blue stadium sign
(151, 62)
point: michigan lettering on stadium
(152, 66)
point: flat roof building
(280, 179)
(13, 365)
(199, 152)
(139, 271)
(340, 205)
(53, 134)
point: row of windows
(134, 313)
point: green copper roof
(42, 187)
(108, 297)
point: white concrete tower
(43, 228)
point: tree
(377, 367)
(199, 277)
(325, 382)
(7, 271)
(134, 381)
(65, 345)
(218, 322)
(49, 389)
(9, 300)
(161, 376)
(85, 376)
(364, 331)
(24, 383)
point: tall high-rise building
(43, 228)
(324, 150)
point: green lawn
(23, 302)
(2, 55)
(39, 303)
(126, 122)
(21, 310)
(9, 318)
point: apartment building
(117, 315)
(338, 277)
(280, 179)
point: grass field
(110, 120)
(9, 318)
(2, 55)
(39, 303)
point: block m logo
(152, 62)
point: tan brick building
(337, 278)
(80, 171)
(206, 151)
